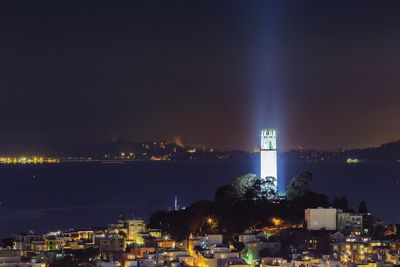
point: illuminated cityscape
(199, 133)
(303, 233)
(27, 160)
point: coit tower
(269, 155)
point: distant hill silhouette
(387, 152)
(98, 148)
(145, 150)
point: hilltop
(388, 152)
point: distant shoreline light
(27, 160)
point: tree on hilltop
(247, 187)
(299, 186)
(341, 203)
(362, 208)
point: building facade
(320, 218)
(268, 155)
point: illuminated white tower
(269, 155)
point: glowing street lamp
(277, 221)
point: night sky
(325, 74)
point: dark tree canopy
(247, 202)
(362, 208)
(6, 242)
(242, 184)
(247, 187)
(299, 186)
(225, 194)
(341, 203)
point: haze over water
(62, 196)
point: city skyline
(228, 133)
